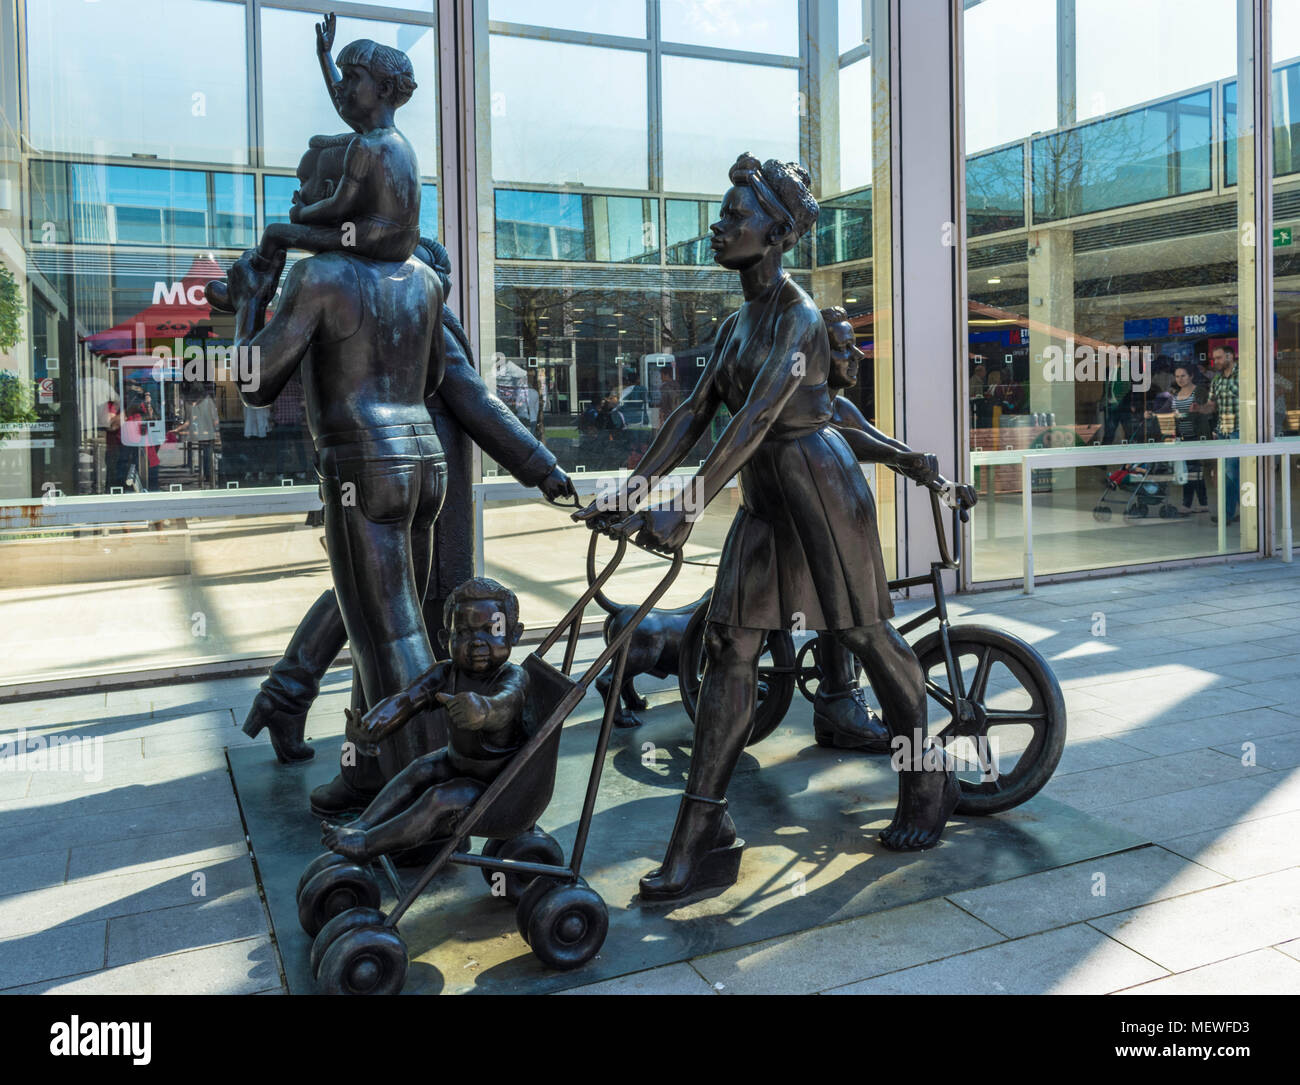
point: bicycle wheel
(1006, 726)
(776, 675)
(808, 668)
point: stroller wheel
(363, 961)
(534, 846)
(344, 921)
(534, 893)
(1101, 513)
(568, 926)
(318, 864)
(334, 890)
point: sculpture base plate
(809, 815)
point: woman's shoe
(699, 853)
(286, 730)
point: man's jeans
(1231, 479)
(382, 491)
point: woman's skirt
(804, 550)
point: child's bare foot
(346, 840)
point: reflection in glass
(757, 107)
(1153, 153)
(624, 18)
(133, 205)
(570, 226)
(999, 109)
(1122, 330)
(1286, 124)
(136, 78)
(844, 228)
(1164, 47)
(995, 191)
(537, 90)
(855, 124)
(757, 26)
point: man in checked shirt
(1224, 401)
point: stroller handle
(572, 621)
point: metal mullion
(734, 56)
(654, 103)
(1262, 94)
(572, 189)
(805, 97)
(253, 74)
(961, 378)
(858, 52)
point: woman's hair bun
(789, 182)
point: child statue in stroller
(484, 695)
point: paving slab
(205, 843)
(23, 873)
(104, 898)
(1070, 960)
(235, 968)
(1264, 972)
(1057, 898)
(841, 953)
(671, 979)
(1115, 784)
(1246, 850)
(46, 954)
(1213, 731)
(1212, 925)
(231, 917)
(1180, 812)
(73, 830)
(1268, 752)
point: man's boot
(845, 721)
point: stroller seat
(517, 810)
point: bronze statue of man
(803, 547)
(362, 319)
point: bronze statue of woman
(803, 550)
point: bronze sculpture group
(392, 395)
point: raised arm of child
(325, 43)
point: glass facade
(1110, 196)
(1111, 278)
(602, 160)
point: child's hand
(325, 34)
(354, 731)
(387, 716)
(468, 711)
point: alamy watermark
(684, 493)
(1069, 364)
(21, 752)
(207, 363)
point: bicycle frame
(951, 559)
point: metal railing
(1030, 460)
